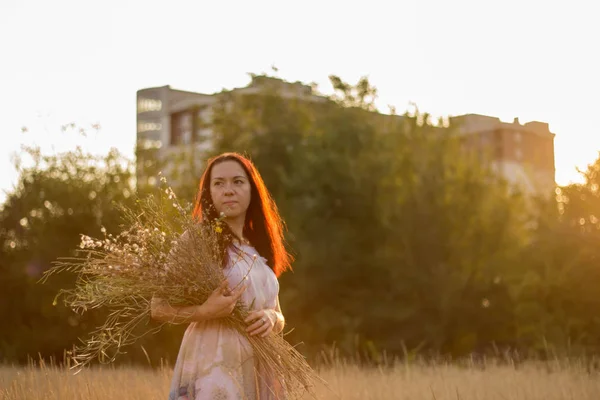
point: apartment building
(521, 153)
(175, 122)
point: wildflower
(147, 259)
(86, 242)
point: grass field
(530, 381)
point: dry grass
(530, 381)
(165, 253)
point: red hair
(263, 225)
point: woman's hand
(221, 302)
(261, 322)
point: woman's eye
(239, 182)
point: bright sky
(77, 61)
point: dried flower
(150, 258)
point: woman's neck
(237, 227)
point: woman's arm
(263, 322)
(161, 310)
(279, 319)
(219, 304)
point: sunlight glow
(83, 63)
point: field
(491, 381)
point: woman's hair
(263, 226)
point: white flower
(86, 242)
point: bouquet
(161, 252)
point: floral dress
(215, 362)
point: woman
(215, 361)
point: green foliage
(362, 95)
(559, 290)
(400, 237)
(57, 198)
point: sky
(82, 62)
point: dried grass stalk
(150, 257)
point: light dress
(215, 362)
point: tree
(57, 198)
(450, 231)
(557, 297)
(361, 95)
(399, 234)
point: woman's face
(230, 189)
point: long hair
(263, 226)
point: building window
(148, 127)
(205, 115)
(146, 105)
(181, 128)
(203, 134)
(147, 144)
(497, 143)
(202, 124)
(518, 137)
(518, 153)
